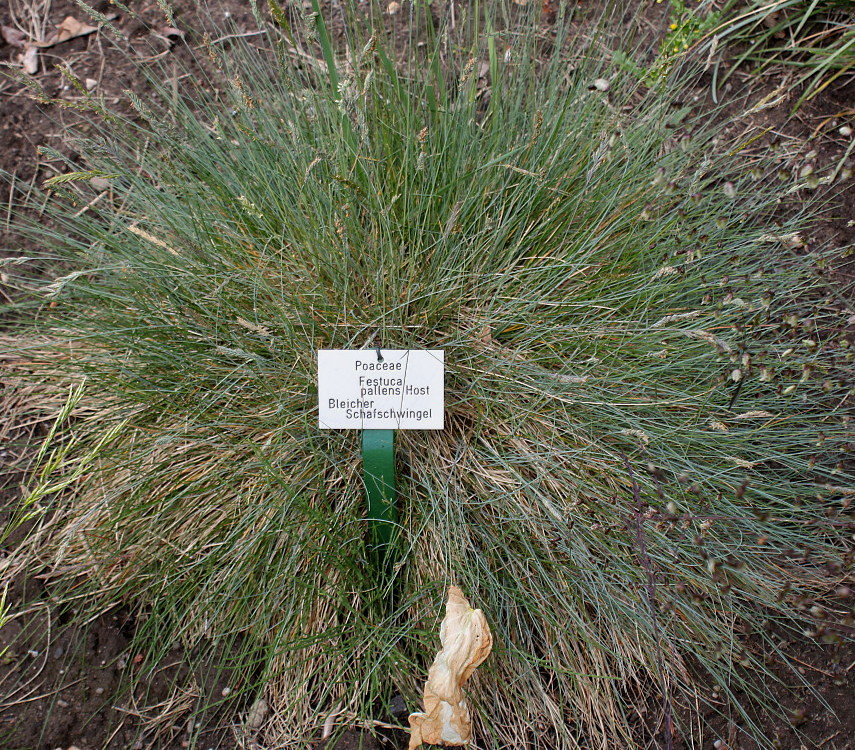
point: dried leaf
(171, 32)
(70, 28)
(466, 643)
(13, 36)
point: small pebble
(62, 704)
(99, 691)
(58, 652)
(601, 84)
(845, 131)
(226, 692)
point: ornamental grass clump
(646, 399)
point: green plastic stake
(378, 467)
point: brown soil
(64, 685)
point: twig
(40, 696)
(91, 203)
(329, 722)
(236, 36)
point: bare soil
(63, 685)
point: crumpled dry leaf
(13, 36)
(466, 643)
(70, 28)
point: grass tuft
(646, 389)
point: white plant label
(389, 389)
